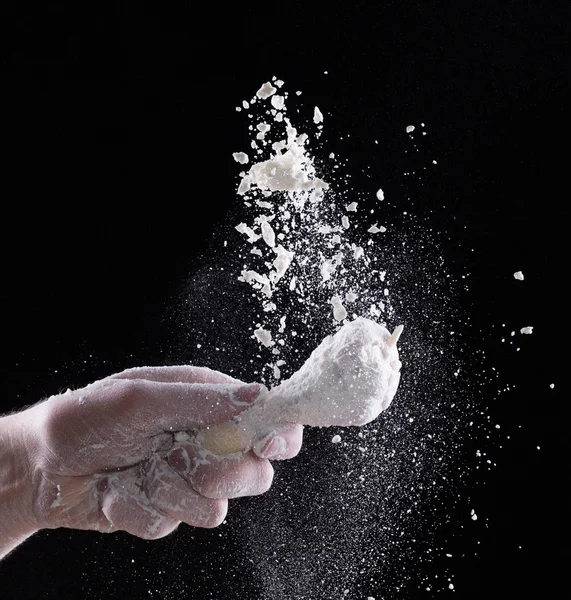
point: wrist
(16, 488)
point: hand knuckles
(128, 394)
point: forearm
(15, 484)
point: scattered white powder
(410, 128)
(335, 439)
(358, 252)
(351, 207)
(345, 221)
(285, 171)
(317, 116)
(339, 312)
(266, 91)
(240, 157)
(526, 330)
(518, 275)
(375, 229)
(329, 266)
(289, 190)
(473, 515)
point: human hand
(107, 457)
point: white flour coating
(349, 379)
(518, 275)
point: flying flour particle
(380, 194)
(526, 330)
(278, 102)
(339, 312)
(410, 128)
(264, 336)
(518, 275)
(266, 91)
(240, 157)
(335, 439)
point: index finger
(152, 407)
(176, 374)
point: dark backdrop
(118, 128)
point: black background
(118, 128)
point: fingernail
(179, 460)
(246, 394)
(273, 447)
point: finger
(280, 442)
(150, 407)
(176, 374)
(215, 477)
(173, 496)
(127, 507)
